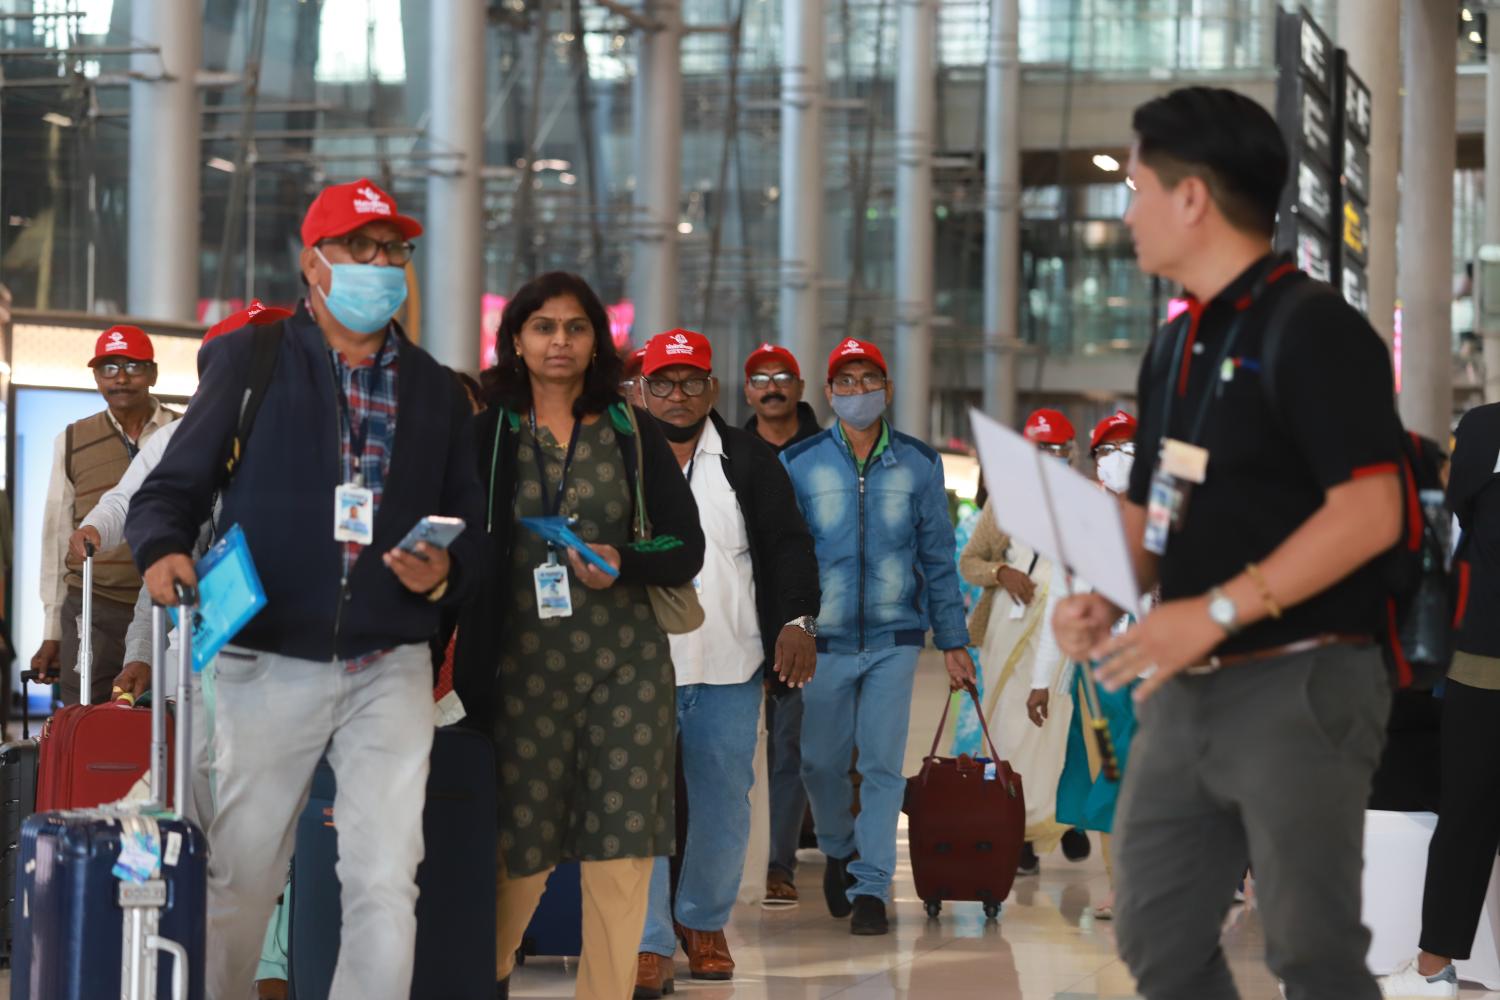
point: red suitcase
(92, 754)
(966, 824)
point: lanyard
(357, 436)
(553, 507)
(1211, 391)
(1215, 388)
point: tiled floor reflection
(1046, 945)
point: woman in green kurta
(585, 731)
(580, 703)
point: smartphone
(435, 530)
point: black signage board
(1356, 167)
(1356, 287)
(1357, 106)
(1315, 195)
(1314, 252)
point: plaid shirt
(370, 389)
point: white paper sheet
(1057, 511)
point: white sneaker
(1406, 982)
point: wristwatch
(806, 623)
(1222, 610)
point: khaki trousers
(615, 894)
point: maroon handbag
(966, 824)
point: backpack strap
(1300, 289)
(265, 346)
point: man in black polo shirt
(1264, 700)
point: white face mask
(1114, 471)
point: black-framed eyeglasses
(782, 380)
(112, 369)
(364, 249)
(692, 386)
(848, 385)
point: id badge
(553, 598)
(353, 514)
(1162, 512)
(1185, 462)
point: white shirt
(57, 519)
(726, 648)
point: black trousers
(1461, 857)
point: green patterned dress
(586, 733)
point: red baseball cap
(772, 352)
(677, 347)
(855, 350)
(1049, 427)
(1120, 426)
(633, 362)
(343, 208)
(128, 342)
(257, 313)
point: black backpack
(266, 345)
(1417, 637)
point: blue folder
(229, 595)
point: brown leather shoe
(654, 977)
(708, 954)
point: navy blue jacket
(282, 494)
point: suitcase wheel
(991, 911)
(934, 907)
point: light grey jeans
(276, 716)
(1267, 764)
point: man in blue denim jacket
(875, 502)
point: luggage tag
(353, 514)
(1180, 467)
(554, 599)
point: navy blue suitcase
(557, 926)
(69, 921)
(83, 933)
(455, 951)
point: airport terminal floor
(1046, 945)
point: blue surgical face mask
(363, 297)
(860, 411)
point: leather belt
(1216, 663)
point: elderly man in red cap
(759, 591)
(875, 501)
(88, 459)
(773, 388)
(338, 660)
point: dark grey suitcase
(18, 761)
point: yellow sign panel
(1354, 229)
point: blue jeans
(859, 700)
(717, 724)
(788, 797)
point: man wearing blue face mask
(337, 663)
(876, 504)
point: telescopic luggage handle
(86, 629)
(187, 603)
